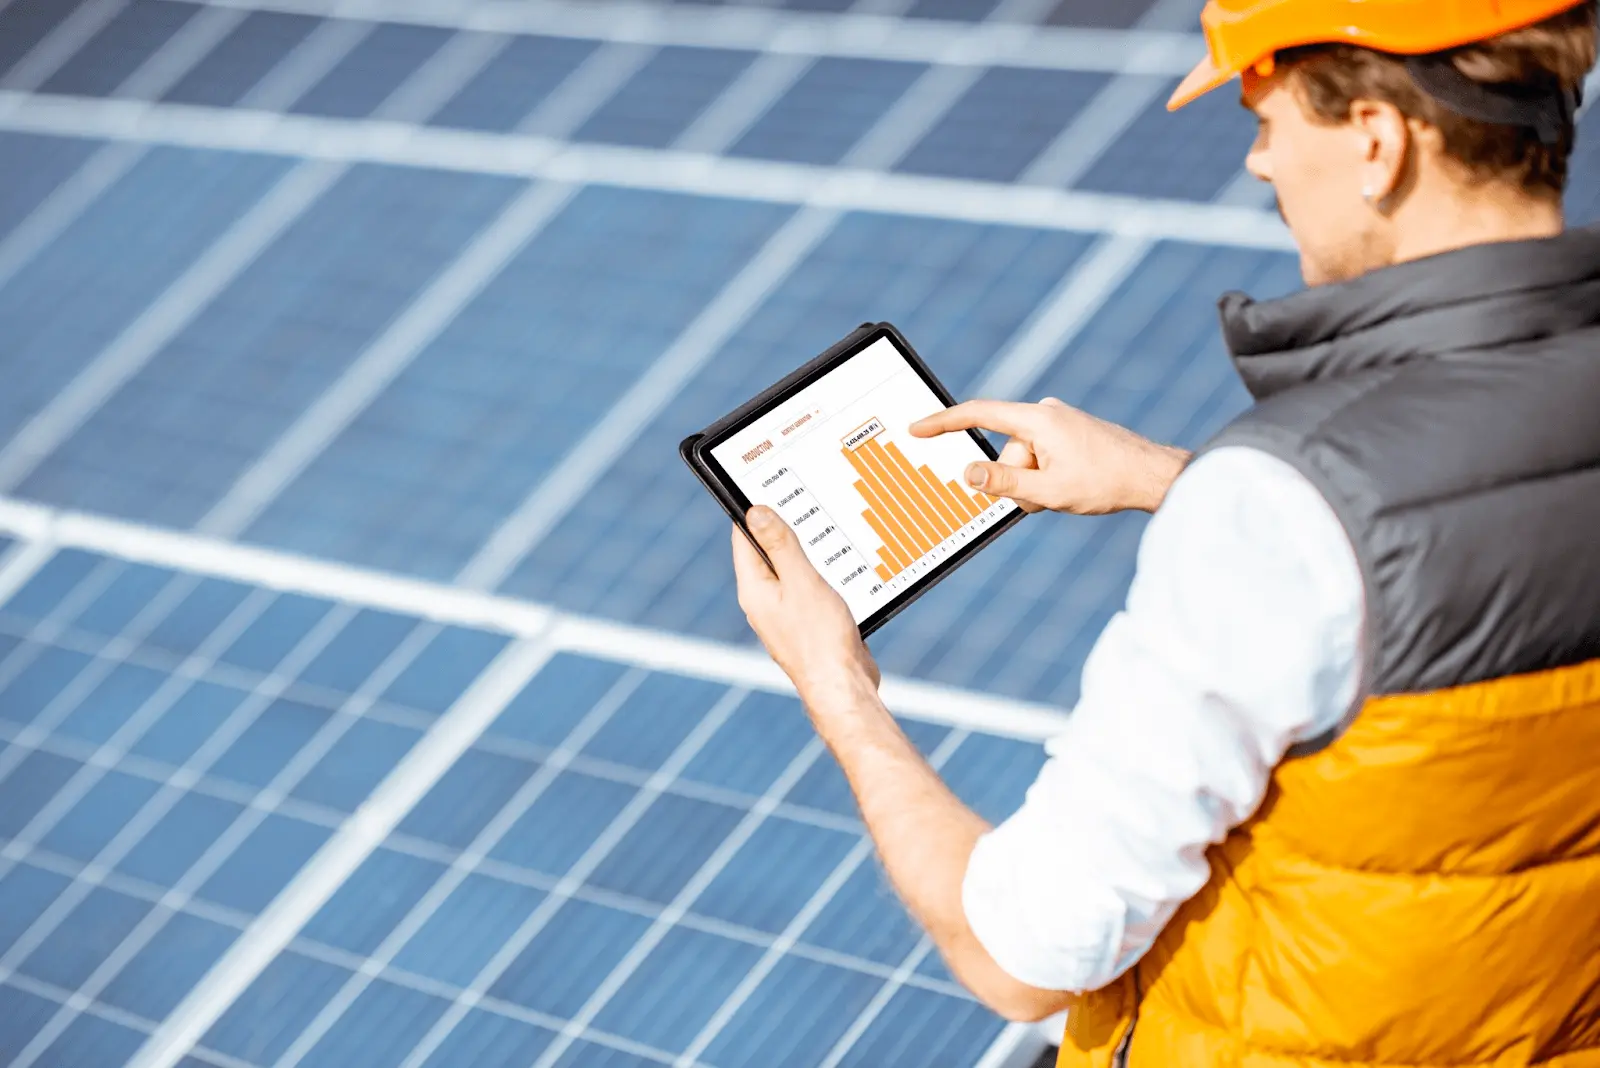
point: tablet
(884, 516)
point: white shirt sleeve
(1240, 638)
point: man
(1332, 792)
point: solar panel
(178, 747)
(283, 810)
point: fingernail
(762, 518)
(977, 476)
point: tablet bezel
(696, 452)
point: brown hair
(1557, 53)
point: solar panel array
(434, 289)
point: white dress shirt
(1240, 638)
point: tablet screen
(875, 508)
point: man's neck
(1473, 215)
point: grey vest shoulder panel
(1449, 411)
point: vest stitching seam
(1302, 1055)
(1448, 498)
(1295, 850)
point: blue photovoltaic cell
(84, 938)
(463, 802)
(745, 892)
(559, 827)
(992, 774)
(126, 597)
(1002, 123)
(762, 737)
(864, 919)
(664, 97)
(511, 85)
(523, 373)
(1188, 155)
(78, 294)
(819, 5)
(551, 705)
(120, 48)
(31, 168)
(355, 764)
(488, 1040)
(1583, 184)
(1111, 14)
(102, 813)
(917, 1026)
(569, 958)
(93, 1042)
(680, 984)
(46, 589)
(443, 669)
(655, 719)
(369, 904)
(379, 1030)
(664, 850)
(815, 1003)
(172, 441)
(827, 110)
(274, 632)
(957, 10)
(647, 544)
(158, 977)
(260, 1025)
(108, 706)
(24, 23)
(468, 929)
(375, 68)
(263, 863)
(243, 57)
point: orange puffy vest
(1424, 891)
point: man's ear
(1387, 144)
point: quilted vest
(1422, 887)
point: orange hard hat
(1245, 35)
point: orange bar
(951, 500)
(884, 573)
(924, 532)
(966, 502)
(941, 511)
(895, 556)
(887, 507)
(894, 535)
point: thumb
(776, 540)
(1003, 480)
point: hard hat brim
(1205, 77)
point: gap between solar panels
(40, 528)
(401, 144)
(997, 41)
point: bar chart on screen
(875, 508)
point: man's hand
(1062, 459)
(804, 624)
